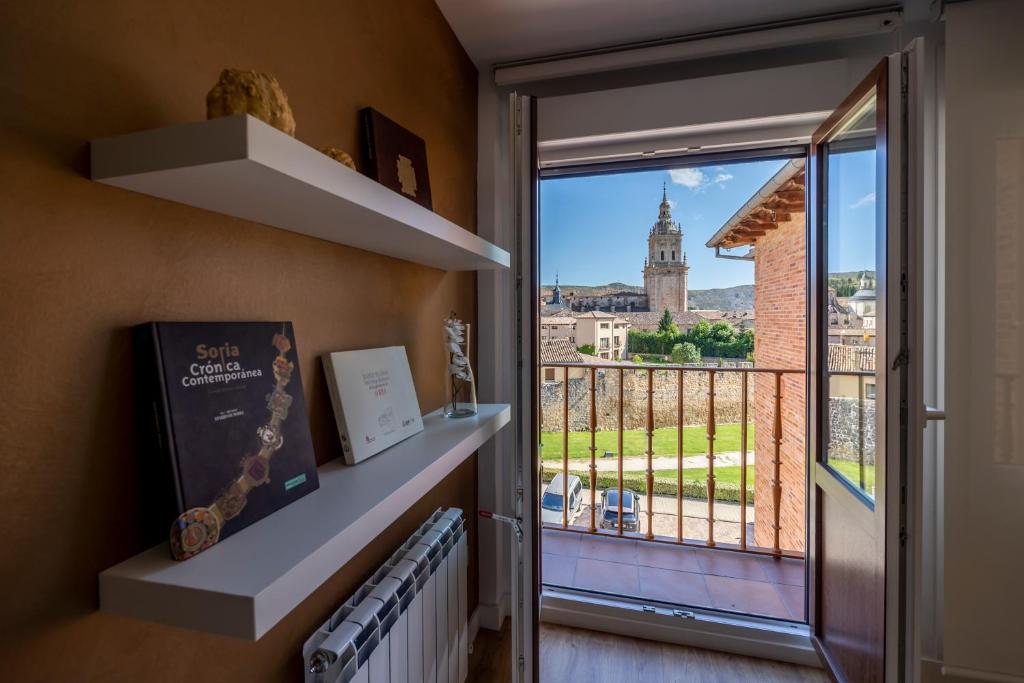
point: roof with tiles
(559, 351)
(847, 358)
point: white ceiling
(493, 31)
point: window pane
(852, 213)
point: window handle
(934, 413)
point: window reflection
(851, 225)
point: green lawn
(634, 442)
(727, 480)
(851, 470)
(723, 475)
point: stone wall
(848, 425)
(665, 399)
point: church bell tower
(665, 272)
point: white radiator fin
(409, 622)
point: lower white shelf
(248, 582)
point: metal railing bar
(692, 543)
(711, 458)
(743, 462)
(565, 453)
(777, 464)
(650, 453)
(621, 428)
(679, 454)
(593, 448)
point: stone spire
(665, 224)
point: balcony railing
(589, 372)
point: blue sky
(593, 230)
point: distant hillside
(735, 298)
(725, 299)
(593, 290)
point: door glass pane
(853, 207)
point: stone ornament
(341, 156)
(250, 92)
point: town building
(648, 321)
(557, 327)
(606, 332)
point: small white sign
(374, 399)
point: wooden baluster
(593, 448)
(565, 453)
(743, 460)
(711, 457)
(777, 466)
(650, 453)
(679, 456)
(621, 395)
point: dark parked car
(610, 510)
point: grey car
(610, 510)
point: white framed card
(374, 399)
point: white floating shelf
(243, 167)
(248, 582)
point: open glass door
(526, 475)
(860, 282)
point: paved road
(695, 518)
(634, 463)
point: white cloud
(723, 178)
(692, 178)
(869, 198)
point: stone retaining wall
(665, 400)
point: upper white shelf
(248, 582)
(243, 167)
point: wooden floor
(568, 654)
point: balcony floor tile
(665, 585)
(561, 543)
(606, 577)
(666, 556)
(610, 549)
(732, 564)
(675, 574)
(793, 599)
(743, 595)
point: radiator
(408, 623)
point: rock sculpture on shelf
(341, 156)
(461, 398)
(250, 92)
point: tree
(587, 350)
(722, 332)
(666, 325)
(685, 352)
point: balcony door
(864, 340)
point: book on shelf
(374, 399)
(395, 157)
(223, 409)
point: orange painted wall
(81, 262)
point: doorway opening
(673, 351)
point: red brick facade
(780, 305)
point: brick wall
(780, 304)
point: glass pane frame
(874, 89)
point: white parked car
(554, 498)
